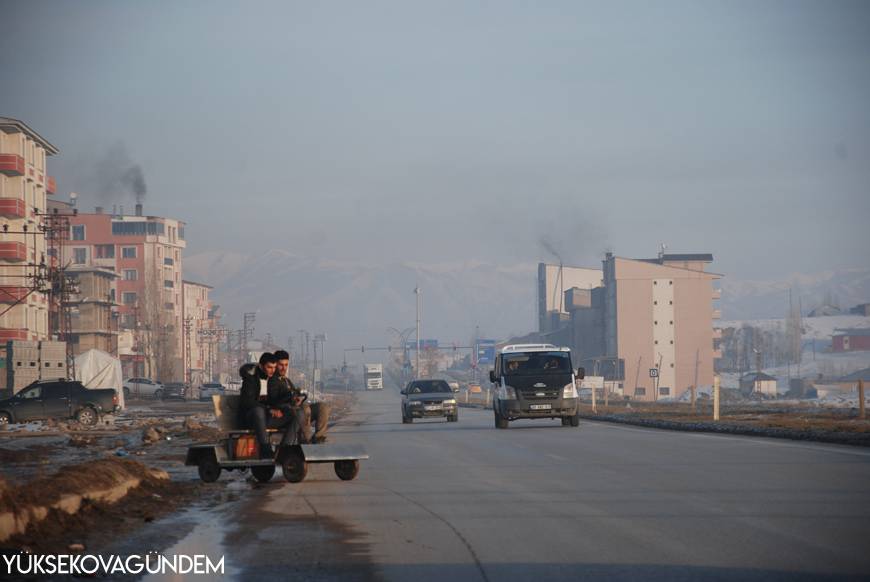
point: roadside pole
(716, 398)
(594, 407)
(693, 389)
(861, 412)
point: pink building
(146, 253)
(649, 326)
(659, 315)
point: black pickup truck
(58, 399)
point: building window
(80, 256)
(169, 306)
(78, 232)
(168, 262)
(104, 251)
(640, 391)
(168, 283)
(128, 298)
(664, 391)
(131, 275)
(138, 228)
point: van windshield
(532, 363)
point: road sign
(485, 351)
(653, 372)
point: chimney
(98, 210)
(138, 209)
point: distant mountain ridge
(355, 303)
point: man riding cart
(267, 410)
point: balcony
(717, 294)
(12, 294)
(717, 354)
(7, 334)
(717, 333)
(12, 164)
(50, 185)
(13, 251)
(12, 208)
(717, 314)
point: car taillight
(115, 398)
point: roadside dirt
(150, 435)
(790, 421)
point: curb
(841, 438)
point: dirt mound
(104, 480)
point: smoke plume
(117, 176)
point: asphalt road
(464, 501)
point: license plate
(541, 406)
(434, 407)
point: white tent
(98, 369)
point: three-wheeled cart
(237, 451)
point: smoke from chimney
(116, 176)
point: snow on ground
(818, 328)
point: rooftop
(858, 331)
(665, 258)
(9, 125)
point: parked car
(428, 399)
(175, 391)
(209, 389)
(58, 399)
(143, 388)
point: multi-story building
(553, 282)
(200, 338)
(91, 308)
(146, 253)
(649, 326)
(24, 184)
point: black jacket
(278, 393)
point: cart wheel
(209, 470)
(263, 473)
(293, 465)
(347, 470)
(566, 421)
(575, 421)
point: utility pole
(188, 327)
(248, 328)
(418, 292)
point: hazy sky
(441, 131)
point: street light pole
(417, 354)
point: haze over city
(401, 131)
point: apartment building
(649, 325)
(24, 186)
(146, 254)
(200, 340)
(91, 308)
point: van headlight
(507, 393)
(416, 403)
(449, 401)
(569, 391)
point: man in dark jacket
(316, 411)
(265, 403)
